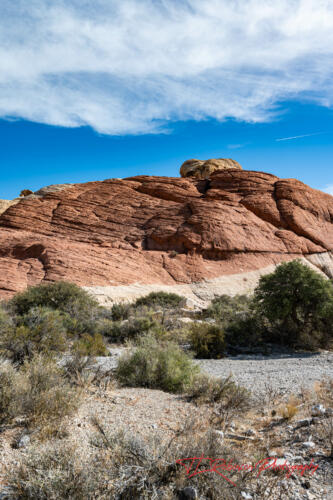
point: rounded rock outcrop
(122, 235)
(200, 169)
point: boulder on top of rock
(203, 169)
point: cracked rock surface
(163, 230)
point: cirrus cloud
(136, 66)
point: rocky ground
(289, 423)
(278, 373)
(299, 438)
(282, 374)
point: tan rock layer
(203, 169)
(4, 204)
(161, 230)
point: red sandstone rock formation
(161, 230)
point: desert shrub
(39, 330)
(8, 384)
(133, 327)
(123, 466)
(205, 389)
(54, 471)
(81, 312)
(120, 311)
(248, 331)
(38, 391)
(119, 466)
(298, 303)
(90, 345)
(160, 299)
(147, 467)
(6, 322)
(156, 365)
(226, 309)
(48, 395)
(80, 320)
(66, 297)
(105, 327)
(207, 340)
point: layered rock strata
(144, 233)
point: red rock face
(161, 230)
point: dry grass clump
(324, 392)
(290, 409)
(37, 391)
(324, 431)
(206, 389)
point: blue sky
(111, 89)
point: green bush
(298, 304)
(66, 297)
(81, 312)
(156, 365)
(40, 330)
(160, 299)
(207, 340)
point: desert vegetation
(291, 307)
(51, 336)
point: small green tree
(298, 303)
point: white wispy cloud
(298, 137)
(328, 189)
(134, 66)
